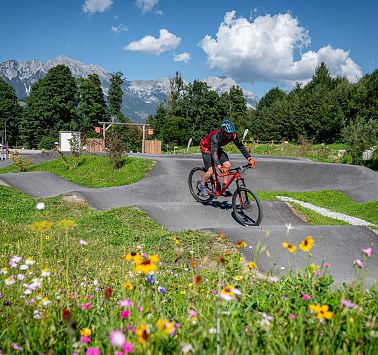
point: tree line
(59, 102)
(324, 110)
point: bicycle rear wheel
(246, 207)
(196, 176)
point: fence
(95, 145)
(152, 147)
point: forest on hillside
(324, 110)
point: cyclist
(213, 154)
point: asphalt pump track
(165, 196)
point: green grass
(93, 170)
(333, 200)
(237, 326)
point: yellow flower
(142, 334)
(183, 292)
(85, 332)
(306, 244)
(66, 224)
(241, 244)
(251, 265)
(128, 286)
(128, 257)
(322, 311)
(176, 240)
(47, 237)
(41, 227)
(154, 258)
(146, 267)
(290, 247)
(166, 326)
(137, 258)
(313, 268)
(238, 277)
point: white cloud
(263, 50)
(146, 5)
(92, 6)
(119, 29)
(183, 57)
(149, 44)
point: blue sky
(261, 44)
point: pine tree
(92, 107)
(115, 94)
(10, 113)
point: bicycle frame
(234, 175)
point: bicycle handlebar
(243, 167)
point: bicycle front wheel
(195, 177)
(246, 207)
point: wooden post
(144, 137)
(103, 135)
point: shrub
(22, 164)
(116, 148)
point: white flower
(82, 242)
(186, 348)
(37, 314)
(9, 281)
(45, 272)
(46, 301)
(4, 270)
(95, 282)
(212, 331)
(40, 206)
(29, 261)
(24, 267)
(27, 292)
(15, 259)
(20, 276)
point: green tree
(270, 97)
(92, 106)
(115, 94)
(51, 106)
(10, 112)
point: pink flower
(128, 348)
(130, 328)
(140, 308)
(85, 339)
(125, 314)
(192, 313)
(291, 316)
(86, 306)
(359, 263)
(214, 292)
(93, 351)
(305, 297)
(327, 265)
(125, 303)
(348, 304)
(90, 297)
(117, 338)
(367, 251)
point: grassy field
(78, 280)
(93, 170)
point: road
(164, 194)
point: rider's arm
(242, 148)
(215, 148)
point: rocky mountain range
(140, 98)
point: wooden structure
(141, 126)
(152, 146)
(95, 145)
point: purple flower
(125, 314)
(367, 251)
(93, 351)
(128, 348)
(162, 289)
(327, 265)
(151, 278)
(85, 339)
(7, 303)
(125, 303)
(348, 304)
(359, 263)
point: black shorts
(208, 160)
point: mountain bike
(246, 206)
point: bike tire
(247, 212)
(193, 181)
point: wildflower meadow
(79, 281)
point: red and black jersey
(214, 140)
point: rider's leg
(226, 165)
(207, 176)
